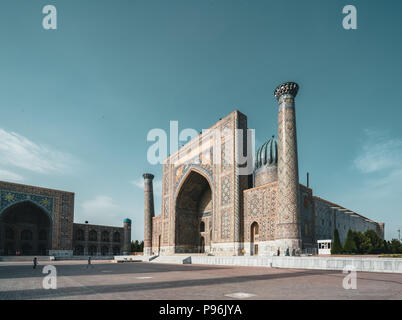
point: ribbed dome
(127, 220)
(267, 154)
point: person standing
(89, 263)
(35, 262)
(279, 252)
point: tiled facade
(210, 206)
(58, 234)
(96, 240)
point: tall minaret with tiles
(287, 231)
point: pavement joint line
(240, 295)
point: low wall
(84, 258)
(393, 265)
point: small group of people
(35, 263)
(287, 252)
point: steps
(24, 258)
(176, 259)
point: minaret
(287, 231)
(127, 235)
(148, 212)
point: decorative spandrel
(8, 198)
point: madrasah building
(210, 207)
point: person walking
(89, 262)
(35, 262)
(279, 252)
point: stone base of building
(261, 248)
(270, 248)
(61, 253)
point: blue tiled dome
(267, 154)
(127, 220)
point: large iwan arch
(193, 214)
(27, 229)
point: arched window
(202, 226)
(92, 250)
(105, 236)
(116, 237)
(80, 235)
(104, 250)
(93, 235)
(26, 235)
(79, 250)
(253, 231)
(116, 250)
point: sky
(78, 102)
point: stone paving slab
(142, 280)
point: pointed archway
(254, 238)
(27, 228)
(193, 213)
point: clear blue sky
(77, 102)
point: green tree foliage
(395, 246)
(350, 244)
(360, 241)
(376, 243)
(336, 243)
(137, 246)
(369, 242)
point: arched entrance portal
(193, 214)
(25, 230)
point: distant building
(208, 207)
(40, 221)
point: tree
(336, 245)
(376, 243)
(360, 241)
(386, 247)
(137, 246)
(350, 244)
(395, 246)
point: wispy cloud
(10, 176)
(379, 192)
(157, 185)
(20, 152)
(379, 152)
(102, 210)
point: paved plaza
(140, 280)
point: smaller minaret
(127, 235)
(148, 212)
